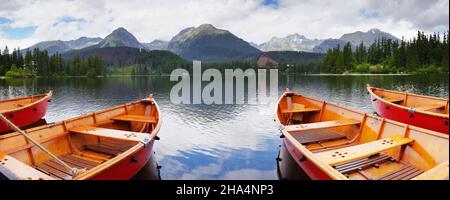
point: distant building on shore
(265, 61)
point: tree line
(421, 54)
(40, 63)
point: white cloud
(248, 19)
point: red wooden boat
(417, 110)
(331, 142)
(111, 144)
(24, 111)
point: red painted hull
(26, 116)
(403, 115)
(309, 168)
(128, 167)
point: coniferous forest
(422, 54)
(40, 63)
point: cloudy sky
(25, 22)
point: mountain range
(63, 46)
(355, 39)
(210, 44)
(294, 42)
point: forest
(40, 63)
(421, 54)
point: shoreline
(151, 75)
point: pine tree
(347, 57)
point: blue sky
(273, 3)
(25, 22)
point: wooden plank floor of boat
(406, 172)
(58, 171)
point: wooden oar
(75, 171)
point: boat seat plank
(14, 169)
(363, 163)
(317, 136)
(430, 107)
(405, 173)
(299, 108)
(112, 133)
(343, 155)
(322, 125)
(135, 118)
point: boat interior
(16, 103)
(418, 102)
(359, 146)
(90, 143)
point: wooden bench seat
(322, 125)
(407, 172)
(13, 169)
(58, 171)
(299, 108)
(439, 172)
(363, 163)
(135, 118)
(343, 155)
(430, 107)
(112, 133)
(317, 136)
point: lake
(213, 141)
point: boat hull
(26, 116)
(309, 168)
(129, 167)
(406, 116)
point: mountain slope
(294, 42)
(156, 45)
(63, 46)
(83, 42)
(329, 44)
(368, 37)
(119, 38)
(125, 56)
(209, 44)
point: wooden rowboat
(328, 141)
(111, 144)
(24, 111)
(417, 110)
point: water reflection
(213, 141)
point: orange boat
(417, 110)
(111, 144)
(24, 111)
(331, 142)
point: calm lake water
(213, 141)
